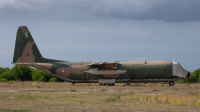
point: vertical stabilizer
(26, 50)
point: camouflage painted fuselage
(27, 54)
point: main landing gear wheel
(111, 84)
(171, 83)
(102, 84)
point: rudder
(26, 50)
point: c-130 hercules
(27, 54)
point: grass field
(64, 97)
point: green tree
(8, 74)
(197, 72)
(3, 69)
(22, 73)
(192, 78)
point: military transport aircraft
(27, 54)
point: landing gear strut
(171, 83)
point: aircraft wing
(92, 64)
(105, 68)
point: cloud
(25, 10)
(63, 10)
(27, 5)
(165, 10)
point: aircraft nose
(188, 74)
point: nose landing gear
(171, 83)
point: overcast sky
(105, 30)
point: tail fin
(26, 50)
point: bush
(8, 74)
(3, 80)
(192, 78)
(38, 75)
(22, 73)
(42, 79)
(35, 76)
(53, 80)
(3, 70)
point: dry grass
(64, 97)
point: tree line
(24, 73)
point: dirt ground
(65, 97)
